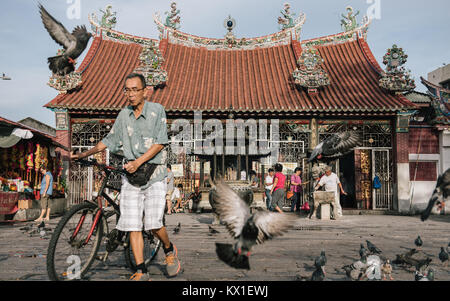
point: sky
(421, 28)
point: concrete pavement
(285, 258)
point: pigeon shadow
(205, 220)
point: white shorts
(137, 205)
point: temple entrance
(347, 177)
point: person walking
(140, 130)
(45, 193)
(268, 182)
(277, 190)
(331, 181)
(296, 188)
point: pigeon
(418, 242)
(176, 230)
(246, 228)
(439, 196)
(336, 145)
(41, 225)
(321, 260)
(386, 270)
(363, 252)
(318, 274)
(372, 248)
(443, 256)
(427, 276)
(74, 43)
(212, 230)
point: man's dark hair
(271, 169)
(297, 169)
(169, 166)
(134, 75)
(278, 167)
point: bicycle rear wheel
(70, 258)
(151, 247)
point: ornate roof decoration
(287, 21)
(111, 34)
(172, 19)
(440, 102)
(279, 38)
(109, 20)
(396, 78)
(150, 66)
(310, 74)
(343, 37)
(64, 83)
(349, 22)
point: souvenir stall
(20, 160)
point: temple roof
(250, 78)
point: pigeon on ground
(372, 248)
(74, 43)
(248, 229)
(363, 252)
(212, 230)
(336, 145)
(418, 242)
(386, 270)
(443, 256)
(176, 230)
(426, 276)
(440, 194)
(41, 225)
(321, 260)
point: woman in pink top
(277, 190)
(296, 188)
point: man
(268, 187)
(331, 181)
(45, 193)
(170, 179)
(254, 179)
(140, 131)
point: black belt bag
(142, 175)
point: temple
(305, 89)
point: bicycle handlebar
(105, 167)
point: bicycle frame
(108, 171)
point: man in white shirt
(268, 182)
(331, 181)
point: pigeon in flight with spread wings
(74, 43)
(247, 228)
(336, 145)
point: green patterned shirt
(134, 137)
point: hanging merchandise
(37, 156)
(22, 158)
(14, 157)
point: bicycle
(82, 228)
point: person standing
(268, 182)
(140, 130)
(170, 188)
(296, 188)
(45, 193)
(331, 181)
(277, 190)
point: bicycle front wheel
(70, 254)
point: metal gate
(381, 167)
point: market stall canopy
(11, 136)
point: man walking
(140, 131)
(331, 181)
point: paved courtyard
(287, 258)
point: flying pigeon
(443, 256)
(176, 230)
(418, 242)
(336, 145)
(74, 43)
(248, 229)
(372, 248)
(440, 194)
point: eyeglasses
(129, 91)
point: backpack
(376, 183)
